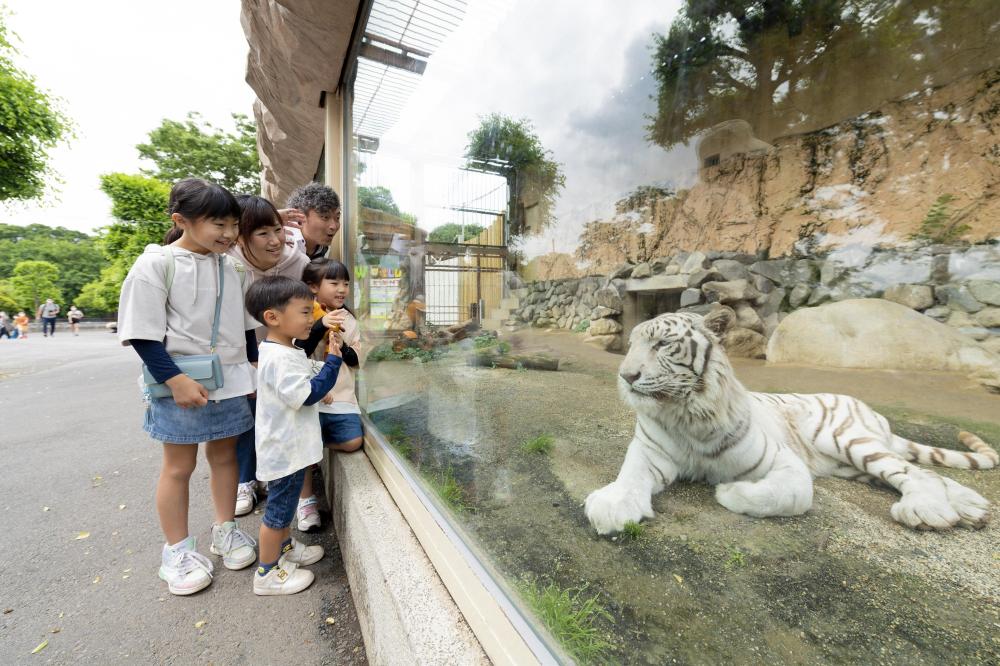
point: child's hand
(333, 347)
(187, 392)
(334, 320)
(327, 399)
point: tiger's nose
(630, 377)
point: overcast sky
(120, 67)
(580, 72)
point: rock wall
(958, 286)
(874, 175)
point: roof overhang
(298, 50)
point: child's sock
(264, 568)
(286, 545)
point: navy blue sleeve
(252, 346)
(316, 335)
(350, 356)
(154, 354)
(324, 380)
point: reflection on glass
(817, 179)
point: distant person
(262, 249)
(74, 316)
(5, 325)
(163, 316)
(315, 209)
(21, 321)
(48, 313)
(288, 436)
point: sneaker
(184, 569)
(301, 554)
(246, 497)
(308, 514)
(235, 546)
(282, 579)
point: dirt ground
(701, 584)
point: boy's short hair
(274, 293)
(314, 196)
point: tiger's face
(667, 359)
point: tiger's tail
(982, 457)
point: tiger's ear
(719, 320)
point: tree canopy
(791, 66)
(195, 148)
(30, 125)
(75, 253)
(512, 149)
(33, 282)
(451, 232)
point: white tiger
(761, 450)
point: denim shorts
(340, 428)
(167, 422)
(283, 499)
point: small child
(339, 413)
(21, 322)
(287, 432)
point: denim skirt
(219, 419)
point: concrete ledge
(406, 614)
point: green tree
(136, 198)
(511, 149)
(378, 197)
(30, 125)
(8, 299)
(33, 282)
(195, 148)
(451, 232)
(792, 66)
(75, 253)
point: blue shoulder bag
(206, 369)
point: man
(316, 209)
(48, 312)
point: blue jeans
(48, 325)
(246, 451)
(283, 499)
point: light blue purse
(206, 369)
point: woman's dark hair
(195, 198)
(274, 293)
(325, 268)
(173, 233)
(256, 212)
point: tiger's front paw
(925, 512)
(609, 508)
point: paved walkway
(81, 542)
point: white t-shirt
(183, 319)
(287, 433)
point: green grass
(447, 487)
(632, 531)
(571, 617)
(737, 558)
(397, 436)
(384, 352)
(541, 444)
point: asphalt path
(80, 543)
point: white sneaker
(235, 546)
(282, 579)
(246, 497)
(185, 570)
(301, 554)
(308, 514)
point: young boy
(288, 438)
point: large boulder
(985, 291)
(609, 297)
(729, 292)
(604, 327)
(605, 342)
(877, 334)
(744, 342)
